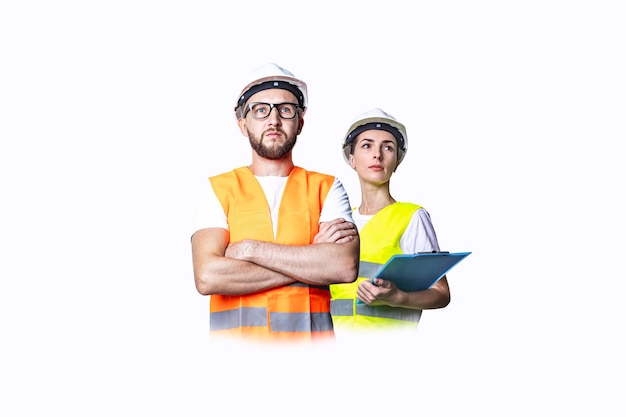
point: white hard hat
(271, 76)
(376, 119)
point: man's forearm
(235, 277)
(316, 264)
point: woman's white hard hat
(376, 119)
(271, 76)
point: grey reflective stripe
(244, 316)
(279, 322)
(368, 269)
(342, 307)
(300, 322)
(387, 312)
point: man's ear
(300, 124)
(243, 127)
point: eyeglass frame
(272, 106)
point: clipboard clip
(435, 251)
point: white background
(112, 114)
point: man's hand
(336, 231)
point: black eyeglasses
(263, 110)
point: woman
(374, 146)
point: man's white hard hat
(376, 119)
(271, 76)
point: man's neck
(262, 167)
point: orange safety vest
(293, 312)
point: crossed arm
(250, 265)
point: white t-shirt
(419, 235)
(211, 214)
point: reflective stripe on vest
(380, 239)
(345, 308)
(298, 310)
(278, 321)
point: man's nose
(274, 117)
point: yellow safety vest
(293, 312)
(380, 239)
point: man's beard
(274, 152)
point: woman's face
(375, 156)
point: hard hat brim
(299, 84)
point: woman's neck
(374, 201)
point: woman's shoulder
(406, 206)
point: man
(272, 236)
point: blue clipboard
(419, 271)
